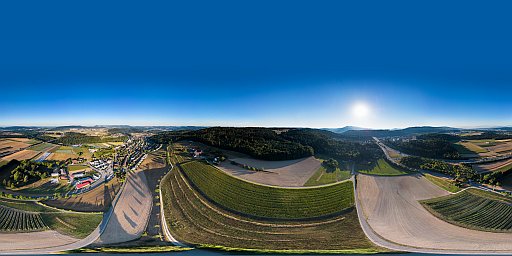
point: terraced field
(473, 209)
(194, 219)
(265, 201)
(12, 220)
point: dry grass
(60, 156)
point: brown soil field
(96, 200)
(11, 145)
(33, 240)
(131, 213)
(22, 155)
(390, 206)
(502, 148)
(290, 173)
(492, 166)
(60, 156)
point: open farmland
(289, 173)
(21, 155)
(194, 219)
(391, 207)
(472, 209)
(502, 147)
(268, 202)
(383, 168)
(42, 147)
(498, 166)
(13, 144)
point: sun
(360, 110)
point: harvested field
(8, 145)
(494, 166)
(96, 200)
(392, 209)
(473, 210)
(132, 211)
(60, 156)
(193, 219)
(21, 155)
(472, 147)
(291, 173)
(504, 147)
(262, 201)
(154, 160)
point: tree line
(277, 144)
(430, 146)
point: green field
(322, 176)
(41, 147)
(474, 209)
(76, 167)
(77, 225)
(197, 221)
(445, 184)
(383, 168)
(265, 201)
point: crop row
(265, 201)
(16, 220)
(470, 210)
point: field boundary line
(167, 234)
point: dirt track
(291, 173)
(131, 213)
(390, 206)
(33, 240)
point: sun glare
(360, 110)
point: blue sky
(256, 63)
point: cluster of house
(101, 164)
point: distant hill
(410, 131)
(344, 129)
